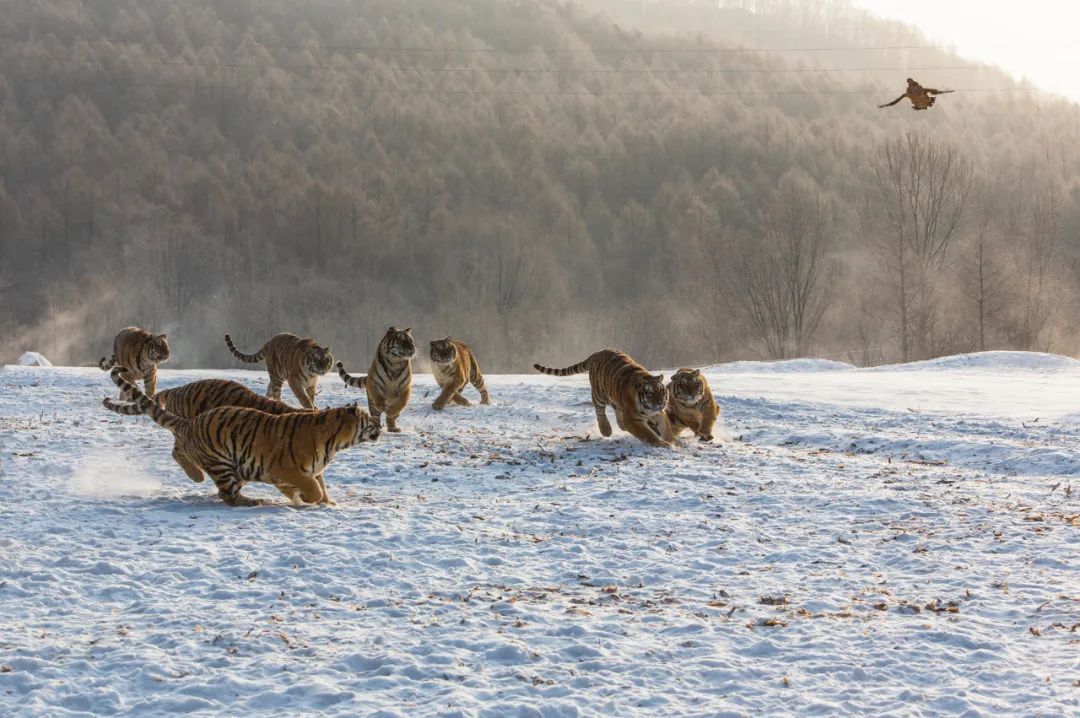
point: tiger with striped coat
(691, 404)
(389, 379)
(237, 445)
(453, 366)
(194, 398)
(139, 352)
(290, 359)
(638, 397)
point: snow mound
(787, 366)
(996, 360)
(33, 359)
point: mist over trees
(537, 178)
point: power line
(528, 70)
(207, 85)
(481, 51)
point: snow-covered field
(903, 540)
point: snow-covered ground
(902, 540)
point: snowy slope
(887, 541)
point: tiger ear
(695, 372)
(392, 330)
(660, 378)
(407, 330)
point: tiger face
(399, 343)
(357, 426)
(652, 394)
(443, 351)
(687, 386)
(157, 348)
(318, 360)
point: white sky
(1035, 39)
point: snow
(33, 359)
(891, 541)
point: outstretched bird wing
(890, 104)
(932, 91)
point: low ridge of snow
(795, 366)
(991, 361)
(33, 359)
(887, 542)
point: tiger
(238, 445)
(140, 352)
(691, 404)
(453, 366)
(638, 397)
(389, 379)
(194, 398)
(300, 362)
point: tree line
(533, 177)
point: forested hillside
(537, 178)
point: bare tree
(782, 288)
(916, 203)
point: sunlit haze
(1034, 39)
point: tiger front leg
(644, 432)
(150, 382)
(449, 391)
(300, 488)
(602, 420)
(304, 393)
(461, 400)
(708, 419)
(325, 496)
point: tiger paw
(705, 437)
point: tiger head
(443, 351)
(318, 360)
(356, 426)
(687, 386)
(652, 395)
(157, 348)
(399, 343)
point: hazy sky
(1036, 39)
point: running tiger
(192, 399)
(389, 379)
(237, 446)
(691, 404)
(454, 366)
(638, 397)
(139, 352)
(300, 362)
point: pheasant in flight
(922, 98)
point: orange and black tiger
(194, 398)
(237, 446)
(637, 396)
(139, 352)
(299, 362)
(453, 366)
(691, 404)
(389, 379)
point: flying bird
(922, 98)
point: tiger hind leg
(460, 400)
(191, 469)
(229, 485)
(273, 389)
